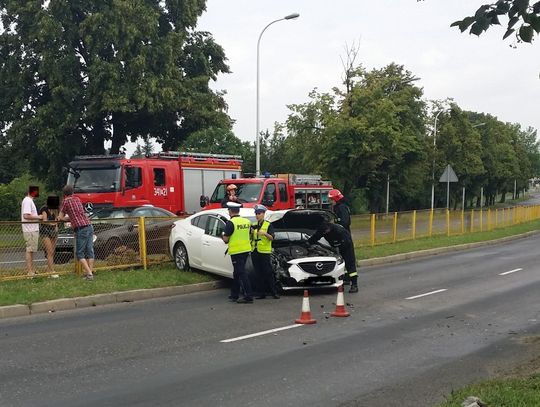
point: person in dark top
(340, 238)
(49, 231)
(230, 195)
(341, 209)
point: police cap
(235, 206)
(260, 208)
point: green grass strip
(513, 392)
(68, 286)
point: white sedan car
(196, 242)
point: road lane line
(509, 272)
(239, 338)
(423, 295)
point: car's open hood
(303, 220)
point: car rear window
(199, 221)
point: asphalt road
(400, 347)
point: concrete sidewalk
(62, 304)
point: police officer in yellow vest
(262, 234)
(237, 235)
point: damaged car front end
(298, 263)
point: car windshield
(111, 213)
(246, 192)
(95, 179)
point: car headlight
(339, 259)
(94, 238)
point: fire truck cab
(170, 180)
(282, 191)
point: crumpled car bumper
(303, 273)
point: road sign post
(448, 176)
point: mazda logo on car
(89, 207)
(319, 266)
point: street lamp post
(258, 136)
(433, 167)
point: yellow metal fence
(118, 243)
(375, 229)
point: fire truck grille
(317, 268)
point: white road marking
(423, 295)
(239, 338)
(509, 272)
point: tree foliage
(523, 19)
(74, 74)
(363, 135)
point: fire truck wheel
(181, 259)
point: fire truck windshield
(95, 179)
(246, 192)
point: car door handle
(205, 243)
(189, 233)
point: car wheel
(181, 259)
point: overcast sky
(482, 74)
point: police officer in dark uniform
(341, 209)
(237, 236)
(339, 237)
(262, 234)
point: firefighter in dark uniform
(341, 209)
(262, 234)
(230, 195)
(340, 238)
(237, 236)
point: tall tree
(378, 133)
(458, 144)
(359, 137)
(74, 74)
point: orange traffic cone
(340, 304)
(305, 316)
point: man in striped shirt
(73, 210)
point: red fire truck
(282, 191)
(171, 180)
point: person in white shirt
(30, 229)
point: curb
(440, 250)
(62, 304)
